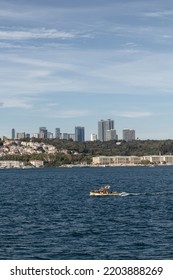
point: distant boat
(103, 191)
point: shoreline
(86, 166)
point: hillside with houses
(55, 153)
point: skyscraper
(103, 126)
(65, 136)
(13, 134)
(128, 134)
(111, 135)
(57, 133)
(20, 135)
(93, 137)
(43, 132)
(79, 133)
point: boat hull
(103, 194)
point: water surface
(48, 213)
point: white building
(35, 135)
(11, 164)
(37, 163)
(116, 160)
(159, 159)
(132, 160)
(93, 137)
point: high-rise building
(93, 137)
(128, 134)
(111, 135)
(71, 136)
(79, 133)
(21, 135)
(49, 135)
(43, 132)
(103, 126)
(65, 136)
(57, 133)
(35, 135)
(27, 135)
(13, 134)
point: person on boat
(105, 189)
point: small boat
(103, 191)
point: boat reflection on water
(103, 191)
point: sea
(47, 214)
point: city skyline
(71, 63)
(105, 132)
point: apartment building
(132, 160)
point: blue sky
(71, 63)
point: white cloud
(85, 71)
(15, 103)
(47, 62)
(132, 114)
(72, 113)
(41, 33)
(53, 111)
(158, 14)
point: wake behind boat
(103, 191)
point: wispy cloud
(83, 71)
(21, 103)
(55, 112)
(41, 33)
(48, 62)
(84, 59)
(132, 114)
(159, 14)
(71, 113)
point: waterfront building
(133, 160)
(93, 137)
(11, 164)
(13, 134)
(159, 159)
(37, 163)
(79, 133)
(116, 160)
(128, 134)
(103, 126)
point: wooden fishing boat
(103, 191)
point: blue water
(48, 214)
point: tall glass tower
(43, 132)
(57, 133)
(13, 134)
(103, 126)
(79, 133)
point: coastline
(83, 166)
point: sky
(72, 63)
